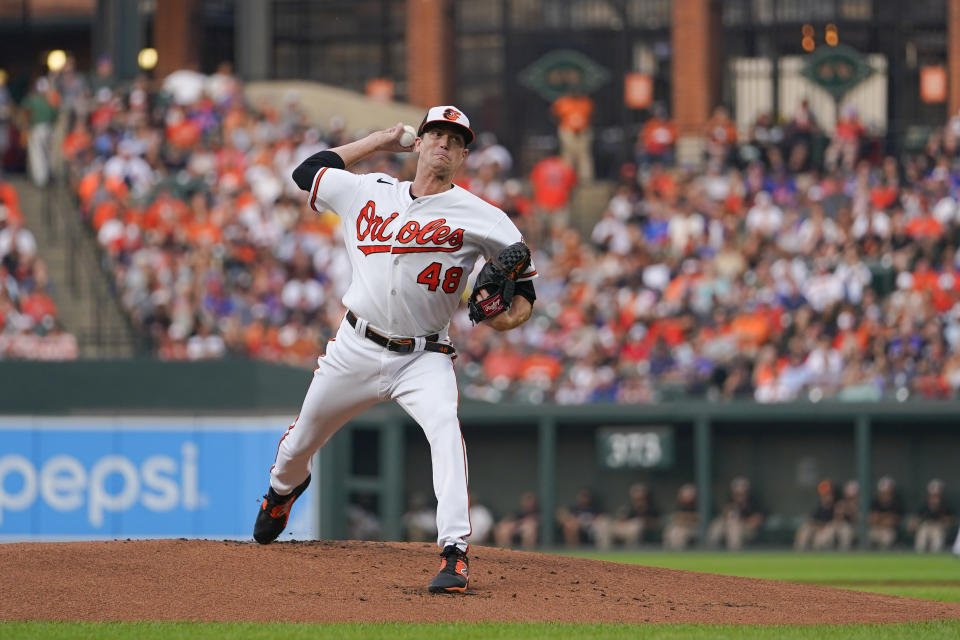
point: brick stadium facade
(434, 51)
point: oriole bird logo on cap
(448, 114)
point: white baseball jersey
(410, 257)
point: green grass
(208, 631)
(932, 577)
(928, 577)
(944, 593)
(814, 568)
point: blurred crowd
(740, 521)
(800, 264)
(188, 190)
(29, 323)
(785, 269)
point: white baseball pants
(356, 373)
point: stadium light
(147, 58)
(831, 36)
(56, 60)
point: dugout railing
(854, 426)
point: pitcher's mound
(346, 581)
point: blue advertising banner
(139, 477)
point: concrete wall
(322, 102)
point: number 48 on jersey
(431, 277)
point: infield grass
(814, 568)
(929, 577)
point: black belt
(403, 345)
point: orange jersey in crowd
(848, 129)
(721, 131)
(75, 142)
(658, 136)
(203, 233)
(91, 182)
(552, 180)
(925, 226)
(9, 199)
(573, 113)
(184, 134)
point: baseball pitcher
(411, 246)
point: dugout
(784, 450)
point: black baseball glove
(498, 278)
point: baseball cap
(450, 115)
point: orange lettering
(428, 229)
(456, 238)
(408, 231)
(365, 220)
(383, 227)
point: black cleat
(274, 513)
(454, 575)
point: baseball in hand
(408, 136)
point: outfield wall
(107, 386)
(98, 410)
(106, 477)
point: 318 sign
(635, 448)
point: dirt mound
(346, 581)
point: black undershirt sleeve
(525, 289)
(303, 175)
